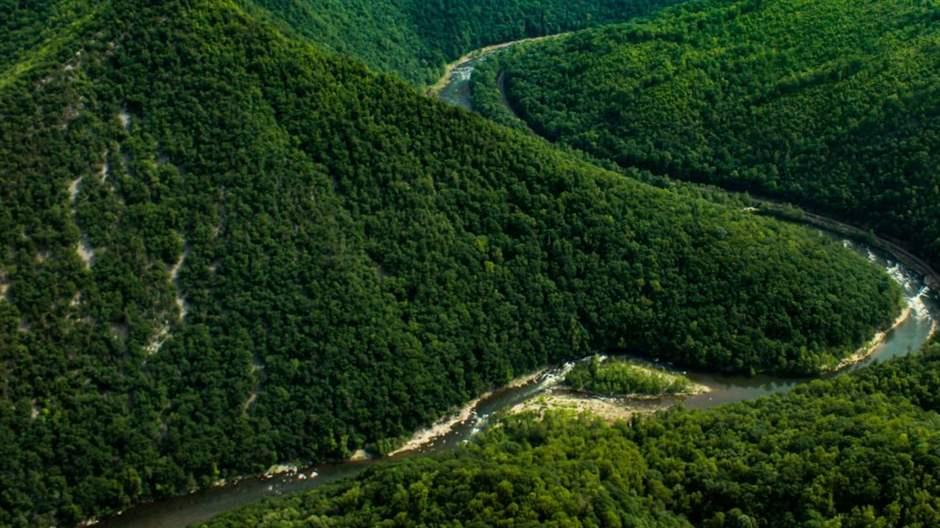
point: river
(454, 85)
(201, 506)
(178, 512)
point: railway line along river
(919, 322)
(906, 337)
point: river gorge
(909, 334)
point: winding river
(201, 506)
(454, 85)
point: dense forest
(856, 451)
(488, 89)
(34, 28)
(623, 378)
(222, 248)
(559, 472)
(415, 39)
(831, 106)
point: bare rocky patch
(156, 342)
(85, 252)
(74, 187)
(249, 403)
(125, 118)
(105, 169)
(257, 370)
(182, 306)
(4, 286)
(610, 410)
(174, 280)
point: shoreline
(607, 407)
(608, 410)
(527, 379)
(694, 389)
(425, 437)
(467, 411)
(435, 89)
(871, 347)
(697, 389)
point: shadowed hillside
(221, 248)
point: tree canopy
(222, 248)
(822, 103)
(856, 451)
(414, 39)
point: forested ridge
(823, 103)
(24, 28)
(222, 248)
(856, 451)
(415, 39)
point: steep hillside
(415, 39)
(221, 248)
(823, 103)
(32, 30)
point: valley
(257, 269)
(528, 394)
(719, 92)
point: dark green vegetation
(557, 473)
(823, 103)
(856, 451)
(351, 261)
(618, 378)
(26, 25)
(416, 38)
(487, 89)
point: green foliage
(415, 38)
(844, 452)
(822, 103)
(619, 378)
(288, 258)
(25, 25)
(488, 94)
(561, 472)
(832, 453)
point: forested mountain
(824, 103)
(26, 25)
(416, 38)
(222, 248)
(857, 451)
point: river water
(457, 92)
(178, 512)
(201, 506)
(906, 338)
(456, 88)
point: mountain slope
(415, 39)
(221, 248)
(821, 103)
